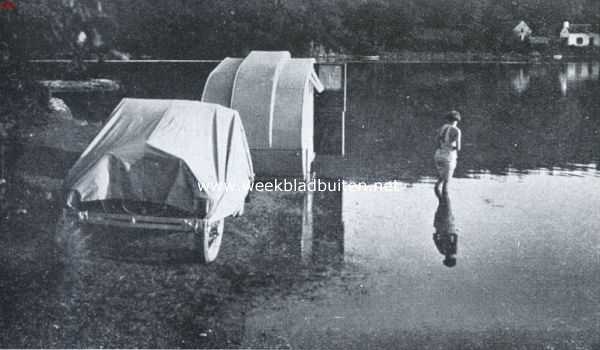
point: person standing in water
(448, 141)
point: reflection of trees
(395, 111)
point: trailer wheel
(207, 240)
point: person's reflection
(445, 236)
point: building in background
(580, 35)
(522, 30)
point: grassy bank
(68, 286)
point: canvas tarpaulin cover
(168, 152)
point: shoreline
(429, 58)
(459, 57)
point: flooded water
(527, 272)
(524, 207)
(359, 268)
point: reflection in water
(520, 82)
(317, 238)
(328, 228)
(531, 277)
(570, 75)
(306, 242)
(577, 72)
(445, 236)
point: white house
(579, 35)
(522, 30)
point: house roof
(522, 27)
(580, 28)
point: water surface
(524, 205)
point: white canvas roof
(196, 150)
(273, 93)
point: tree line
(212, 29)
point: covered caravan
(274, 95)
(170, 152)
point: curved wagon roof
(273, 93)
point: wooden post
(3, 170)
(344, 109)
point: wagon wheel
(208, 240)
